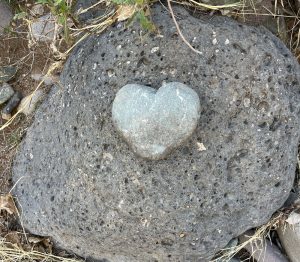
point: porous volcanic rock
(82, 185)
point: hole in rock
(225, 207)
(262, 125)
(277, 184)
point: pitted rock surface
(154, 122)
(83, 186)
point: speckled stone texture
(155, 122)
(83, 185)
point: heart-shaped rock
(154, 122)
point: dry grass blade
(179, 31)
(260, 234)
(13, 253)
(216, 7)
(82, 11)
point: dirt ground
(18, 50)
(15, 51)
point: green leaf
(61, 20)
(20, 15)
(125, 2)
(140, 2)
(42, 1)
(144, 21)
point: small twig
(91, 7)
(179, 31)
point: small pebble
(6, 92)
(232, 243)
(37, 9)
(201, 146)
(7, 73)
(11, 105)
(154, 49)
(247, 102)
(43, 28)
(289, 235)
(110, 72)
(6, 116)
(262, 250)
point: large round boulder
(80, 183)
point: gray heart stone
(155, 122)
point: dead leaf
(7, 203)
(294, 218)
(125, 11)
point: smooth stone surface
(6, 92)
(290, 239)
(28, 104)
(232, 243)
(43, 28)
(6, 16)
(12, 103)
(156, 122)
(37, 10)
(7, 73)
(83, 186)
(262, 250)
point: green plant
(62, 10)
(141, 13)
